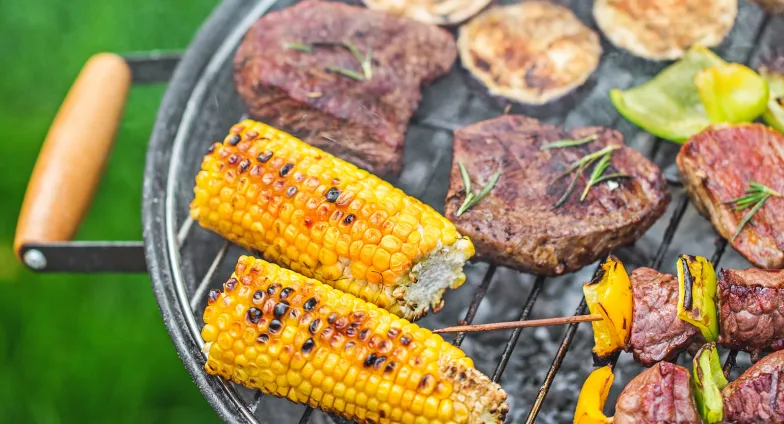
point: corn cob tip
(294, 337)
(324, 218)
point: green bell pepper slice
(708, 382)
(732, 93)
(774, 115)
(669, 106)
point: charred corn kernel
(593, 396)
(609, 294)
(310, 211)
(303, 340)
(697, 295)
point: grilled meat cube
(664, 29)
(517, 225)
(660, 394)
(657, 332)
(363, 122)
(757, 396)
(532, 52)
(717, 166)
(751, 311)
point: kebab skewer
(666, 393)
(656, 316)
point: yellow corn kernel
(272, 348)
(306, 209)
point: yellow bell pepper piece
(609, 294)
(593, 396)
(732, 93)
(697, 295)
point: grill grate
(438, 122)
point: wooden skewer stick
(519, 324)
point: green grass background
(84, 348)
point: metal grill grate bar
(512, 342)
(479, 294)
(205, 282)
(306, 415)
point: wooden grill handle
(71, 161)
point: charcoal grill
(184, 261)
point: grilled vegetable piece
(660, 394)
(708, 382)
(324, 218)
(609, 294)
(663, 29)
(290, 336)
(531, 52)
(657, 332)
(304, 92)
(732, 93)
(697, 295)
(669, 106)
(772, 71)
(717, 165)
(593, 396)
(751, 309)
(435, 12)
(517, 225)
(757, 396)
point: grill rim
(208, 39)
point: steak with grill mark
(751, 309)
(363, 122)
(660, 394)
(717, 166)
(657, 332)
(517, 225)
(757, 396)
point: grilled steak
(660, 394)
(757, 396)
(362, 121)
(517, 224)
(717, 166)
(657, 332)
(751, 310)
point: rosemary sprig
(586, 160)
(472, 199)
(604, 158)
(346, 72)
(365, 60)
(307, 48)
(598, 170)
(756, 194)
(569, 143)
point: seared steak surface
(517, 224)
(363, 122)
(657, 332)
(751, 310)
(660, 394)
(757, 396)
(717, 166)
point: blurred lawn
(84, 348)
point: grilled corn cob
(291, 336)
(318, 215)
